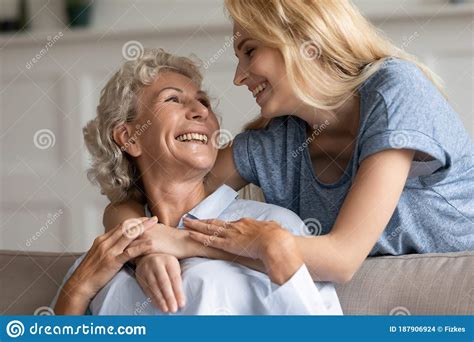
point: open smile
(193, 137)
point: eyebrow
(166, 88)
(157, 94)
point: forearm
(324, 257)
(71, 301)
(115, 214)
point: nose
(197, 111)
(240, 76)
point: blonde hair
(347, 48)
(112, 169)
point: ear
(123, 136)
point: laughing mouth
(258, 89)
(193, 137)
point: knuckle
(175, 278)
(103, 253)
(169, 259)
(97, 241)
(127, 253)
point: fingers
(119, 226)
(174, 273)
(212, 241)
(129, 231)
(144, 247)
(151, 289)
(166, 288)
(208, 227)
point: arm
(363, 217)
(336, 256)
(116, 213)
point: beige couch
(430, 284)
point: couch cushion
(29, 280)
(416, 284)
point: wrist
(282, 258)
(72, 301)
(187, 247)
(191, 248)
(78, 289)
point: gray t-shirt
(399, 108)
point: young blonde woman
(355, 136)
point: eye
(249, 52)
(173, 98)
(205, 103)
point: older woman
(154, 137)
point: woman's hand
(246, 237)
(105, 258)
(159, 275)
(263, 240)
(165, 240)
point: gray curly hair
(112, 168)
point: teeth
(192, 136)
(259, 88)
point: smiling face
(262, 69)
(182, 126)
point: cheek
(269, 64)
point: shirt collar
(211, 207)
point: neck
(341, 121)
(169, 200)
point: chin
(270, 114)
(271, 109)
(202, 163)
